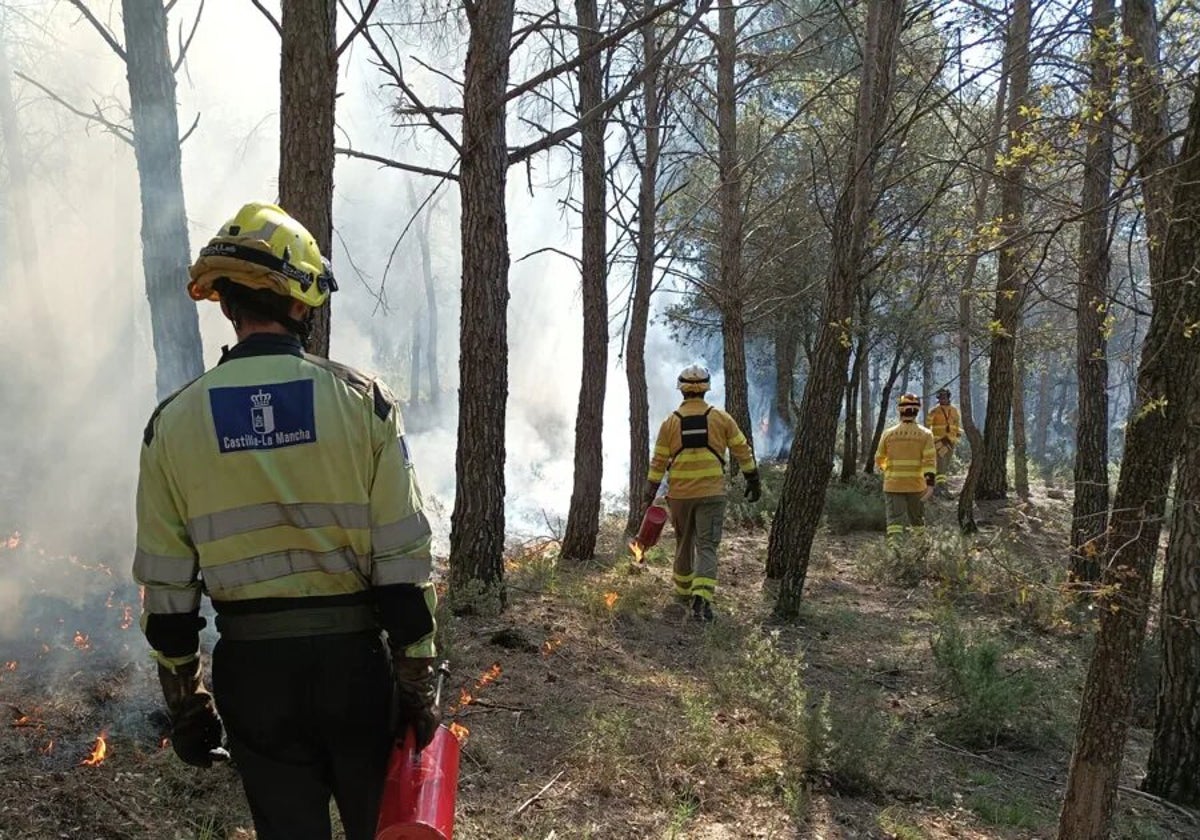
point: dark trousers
(307, 719)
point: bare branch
(267, 14)
(395, 164)
(99, 27)
(358, 27)
(119, 131)
(184, 45)
(188, 133)
(437, 72)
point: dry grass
(619, 718)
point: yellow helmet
(694, 379)
(262, 247)
(909, 403)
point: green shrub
(739, 511)
(992, 704)
(852, 744)
(856, 505)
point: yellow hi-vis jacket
(906, 457)
(281, 485)
(698, 472)
(944, 422)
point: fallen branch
(536, 796)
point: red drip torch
(419, 794)
(652, 526)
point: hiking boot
(701, 609)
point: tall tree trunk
(885, 399)
(414, 359)
(732, 303)
(639, 308)
(477, 525)
(866, 421)
(431, 315)
(1020, 457)
(1010, 283)
(1041, 420)
(1168, 374)
(850, 435)
(1089, 512)
(928, 386)
(810, 461)
(308, 93)
(583, 517)
(786, 346)
(166, 255)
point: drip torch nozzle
(443, 671)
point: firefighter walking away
(906, 458)
(693, 443)
(280, 485)
(944, 422)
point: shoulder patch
(356, 379)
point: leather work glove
(753, 487)
(927, 493)
(196, 731)
(649, 493)
(413, 699)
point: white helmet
(694, 379)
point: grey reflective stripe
(163, 599)
(159, 568)
(411, 568)
(227, 523)
(400, 534)
(228, 576)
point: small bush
(856, 505)
(992, 704)
(740, 511)
(852, 744)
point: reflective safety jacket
(281, 485)
(906, 457)
(692, 443)
(944, 422)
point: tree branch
(99, 27)
(363, 18)
(395, 164)
(267, 14)
(188, 133)
(118, 131)
(184, 45)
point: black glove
(649, 493)
(413, 699)
(196, 731)
(753, 487)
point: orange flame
(459, 731)
(81, 641)
(610, 599)
(550, 645)
(126, 617)
(465, 698)
(639, 556)
(10, 665)
(99, 751)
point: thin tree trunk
(1089, 512)
(477, 525)
(885, 399)
(308, 93)
(414, 359)
(733, 326)
(1167, 378)
(1020, 457)
(431, 315)
(1041, 420)
(850, 433)
(786, 345)
(866, 420)
(1010, 283)
(639, 310)
(583, 517)
(166, 254)
(810, 461)
(928, 386)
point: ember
(99, 751)
(48, 749)
(550, 645)
(459, 731)
(82, 642)
(610, 599)
(127, 617)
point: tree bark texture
(583, 516)
(850, 427)
(732, 303)
(643, 279)
(1089, 512)
(308, 93)
(174, 324)
(1168, 376)
(1020, 456)
(866, 421)
(1010, 283)
(1041, 419)
(477, 525)
(431, 312)
(810, 461)
(885, 399)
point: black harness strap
(693, 434)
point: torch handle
(443, 671)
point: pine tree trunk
(308, 93)
(733, 326)
(414, 359)
(1020, 457)
(166, 255)
(1010, 283)
(639, 312)
(928, 386)
(810, 461)
(1168, 376)
(866, 421)
(477, 525)
(1089, 512)
(785, 379)
(850, 428)
(1041, 421)
(885, 398)
(583, 517)
(431, 314)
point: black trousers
(307, 719)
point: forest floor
(926, 694)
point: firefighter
(906, 458)
(692, 443)
(280, 485)
(943, 421)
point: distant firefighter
(281, 486)
(943, 421)
(692, 444)
(907, 459)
